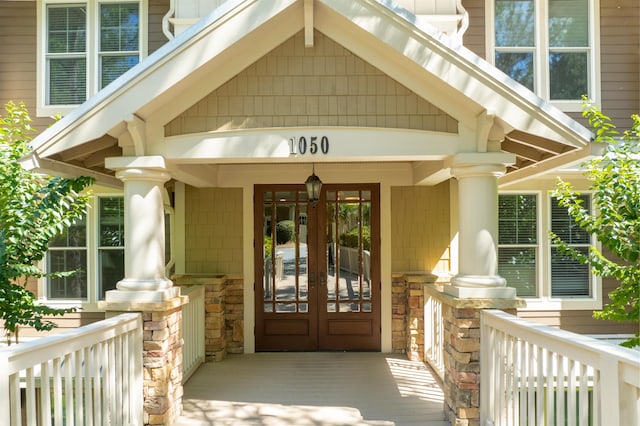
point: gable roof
(241, 31)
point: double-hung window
(96, 236)
(518, 242)
(84, 46)
(534, 266)
(94, 248)
(68, 252)
(548, 46)
(569, 278)
(110, 244)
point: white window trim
(90, 304)
(93, 78)
(541, 68)
(544, 301)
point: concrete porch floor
(320, 388)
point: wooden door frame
(275, 342)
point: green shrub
(350, 239)
(285, 231)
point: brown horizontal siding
(474, 37)
(620, 59)
(582, 321)
(18, 58)
(66, 322)
(157, 10)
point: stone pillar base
(461, 318)
(162, 356)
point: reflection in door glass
(285, 252)
(348, 251)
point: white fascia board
(342, 144)
(169, 66)
(455, 66)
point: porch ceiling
(241, 31)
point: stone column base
(461, 317)
(162, 356)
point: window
(518, 243)
(94, 246)
(532, 265)
(68, 252)
(548, 46)
(111, 244)
(569, 278)
(84, 47)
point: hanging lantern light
(314, 185)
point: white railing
(91, 375)
(533, 374)
(434, 333)
(192, 330)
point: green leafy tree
(33, 210)
(615, 182)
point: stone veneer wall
(407, 304)
(161, 356)
(162, 366)
(224, 313)
(461, 319)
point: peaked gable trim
(428, 63)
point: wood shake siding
(620, 59)
(420, 223)
(326, 85)
(18, 57)
(213, 230)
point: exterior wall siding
(321, 86)
(582, 321)
(620, 59)
(420, 223)
(213, 230)
(65, 322)
(157, 10)
(474, 37)
(18, 33)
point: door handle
(312, 279)
(323, 279)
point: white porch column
(144, 259)
(477, 175)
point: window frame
(92, 221)
(542, 50)
(92, 54)
(544, 301)
(538, 245)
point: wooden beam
(308, 23)
(524, 151)
(97, 158)
(539, 142)
(85, 149)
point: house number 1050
(312, 146)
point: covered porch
(313, 388)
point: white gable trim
(241, 31)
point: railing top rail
(189, 290)
(583, 348)
(37, 351)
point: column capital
(153, 162)
(481, 164)
(141, 174)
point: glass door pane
(348, 251)
(284, 242)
